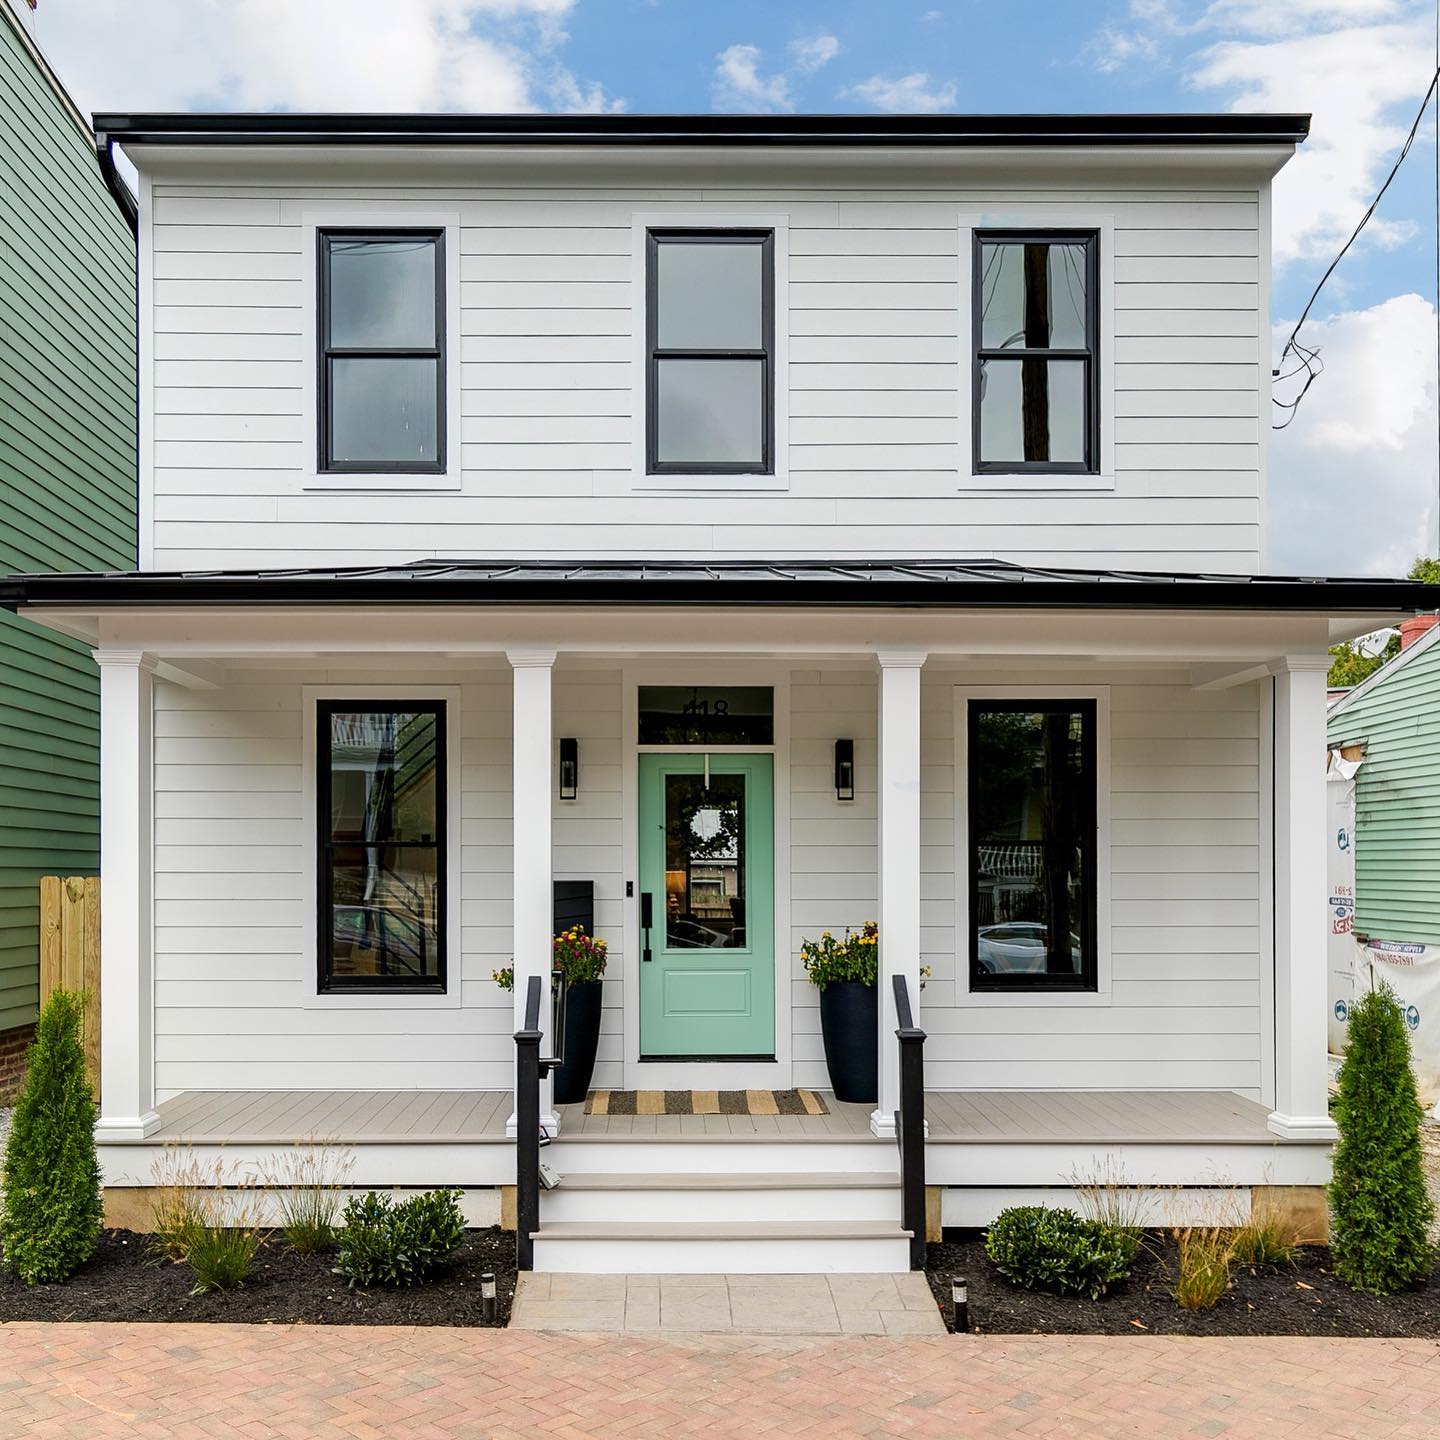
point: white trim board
(964, 996)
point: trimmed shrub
(1044, 1249)
(1205, 1253)
(52, 1204)
(1380, 1211)
(382, 1243)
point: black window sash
(1087, 825)
(655, 354)
(328, 352)
(326, 845)
(1090, 355)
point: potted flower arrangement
(581, 959)
(844, 972)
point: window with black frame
(380, 801)
(382, 352)
(710, 342)
(1031, 861)
(1035, 405)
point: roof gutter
(114, 182)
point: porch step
(689, 1196)
(740, 1247)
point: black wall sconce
(844, 769)
(569, 769)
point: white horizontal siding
(878, 373)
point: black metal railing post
(527, 1129)
(910, 1123)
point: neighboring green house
(67, 483)
(1395, 717)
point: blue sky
(1353, 481)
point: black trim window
(1032, 844)
(1035, 403)
(382, 352)
(710, 346)
(380, 803)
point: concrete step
(739, 1247)
(691, 1196)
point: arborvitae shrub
(52, 1205)
(1380, 1211)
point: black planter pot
(850, 1025)
(582, 1037)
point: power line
(1310, 358)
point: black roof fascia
(906, 585)
(1226, 128)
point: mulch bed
(1301, 1298)
(124, 1281)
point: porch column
(1301, 1085)
(899, 862)
(533, 936)
(127, 991)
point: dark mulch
(1301, 1298)
(123, 1281)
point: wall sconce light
(569, 769)
(844, 769)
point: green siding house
(67, 483)
(1395, 716)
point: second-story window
(382, 352)
(710, 341)
(1036, 377)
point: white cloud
(317, 55)
(814, 52)
(1354, 477)
(910, 94)
(739, 86)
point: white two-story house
(712, 454)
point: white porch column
(899, 862)
(127, 991)
(532, 885)
(1301, 1086)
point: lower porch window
(381, 790)
(1032, 841)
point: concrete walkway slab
(727, 1304)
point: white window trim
(1040, 217)
(640, 225)
(397, 217)
(314, 997)
(1003, 999)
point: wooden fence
(70, 950)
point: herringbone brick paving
(223, 1382)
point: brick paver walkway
(205, 1382)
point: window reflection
(705, 862)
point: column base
(883, 1125)
(549, 1124)
(126, 1127)
(1302, 1127)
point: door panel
(707, 969)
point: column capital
(901, 659)
(1300, 664)
(531, 659)
(137, 659)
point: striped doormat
(704, 1102)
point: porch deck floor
(970, 1117)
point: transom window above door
(1035, 401)
(710, 344)
(382, 352)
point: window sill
(400, 484)
(1032, 999)
(381, 999)
(711, 482)
(1049, 484)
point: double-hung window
(1032, 838)
(382, 352)
(380, 793)
(1035, 403)
(710, 348)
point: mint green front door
(707, 960)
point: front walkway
(199, 1382)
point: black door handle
(647, 919)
